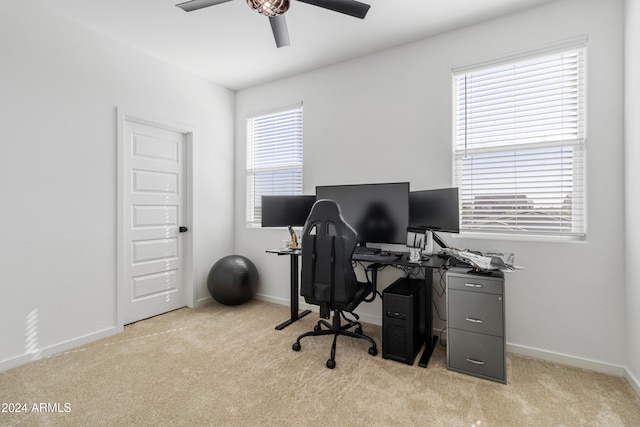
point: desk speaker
(401, 310)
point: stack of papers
(488, 261)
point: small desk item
(295, 284)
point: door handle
(183, 229)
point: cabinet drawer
(476, 354)
(468, 282)
(475, 312)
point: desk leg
(293, 302)
(429, 340)
(430, 344)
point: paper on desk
(490, 261)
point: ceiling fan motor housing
(269, 7)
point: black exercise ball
(233, 280)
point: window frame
(273, 161)
(576, 146)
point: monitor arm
(439, 240)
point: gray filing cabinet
(475, 324)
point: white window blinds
(519, 145)
(274, 157)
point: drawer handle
(475, 362)
(472, 320)
(472, 285)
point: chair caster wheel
(331, 364)
(373, 351)
(295, 346)
(317, 328)
(358, 330)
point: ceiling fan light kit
(269, 7)
(275, 10)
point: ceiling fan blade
(280, 31)
(348, 7)
(192, 5)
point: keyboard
(363, 250)
(377, 257)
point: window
(274, 157)
(519, 143)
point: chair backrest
(328, 242)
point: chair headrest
(328, 211)
(325, 208)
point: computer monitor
(378, 212)
(281, 211)
(435, 210)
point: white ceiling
(232, 45)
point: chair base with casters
(337, 328)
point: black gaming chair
(328, 279)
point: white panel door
(154, 202)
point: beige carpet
(227, 366)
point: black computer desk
(400, 260)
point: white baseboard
(633, 381)
(563, 359)
(268, 298)
(70, 345)
(374, 320)
(577, 362)
(202, 301)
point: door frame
(124, 115)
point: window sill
(520, 237)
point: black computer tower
(402, 317)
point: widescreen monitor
(436, 210)
(378, 212)
(281, 211)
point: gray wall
(60, 85)
(387, 117)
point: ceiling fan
(275, 10)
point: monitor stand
(439, 240)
